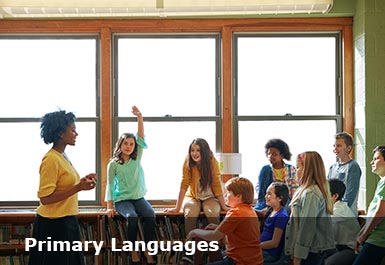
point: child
(56, 216)
(240, 226)
(308, 231)
(345, 226)
(276, 151)
(346, 169)
(201, 186)
(272, 236)
(126, 187)
(371, 236)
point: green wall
(369, 71)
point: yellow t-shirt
(278, 173)
(56, 173)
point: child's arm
(138, 114)
(110, 209)
(352, 184)
(208, 235)
(274, 242)
(178, 206)
(371, 223)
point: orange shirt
(241, 227)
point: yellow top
(278, 172)
(57, 173)
(190, 182)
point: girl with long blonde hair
(308, 231)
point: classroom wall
(369, 84)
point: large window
(42, 74)
(287, 88)
(174, 81)
(235, 82)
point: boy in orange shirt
(240, 226)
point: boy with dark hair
(345, 226)
(240, 226)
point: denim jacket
(310, 227)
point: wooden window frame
(225, 27)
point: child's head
(199, 153)
(337, 189)
(276, 150)
(277, 194)
(378, 161)
(241, 188)
(199, 150)
(343, 144)
(312, 167)
(311, 171)
(125, 146)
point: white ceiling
(156, 8)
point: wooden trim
(106, 109)
(159, 25)
(348, 82)
(227, 94)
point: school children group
(302, 215)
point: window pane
(44, 75)
(301, 136)
(286, 75)
(168, 144)
(21, 153)
(83, 155)
(167, 76)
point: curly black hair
(53, 124)
(280, 145)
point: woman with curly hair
(56, 216)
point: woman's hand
(88, 182)
(92, 176)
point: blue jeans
(131, 210)
(267, 257)
(370, 254)
(313, 259)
